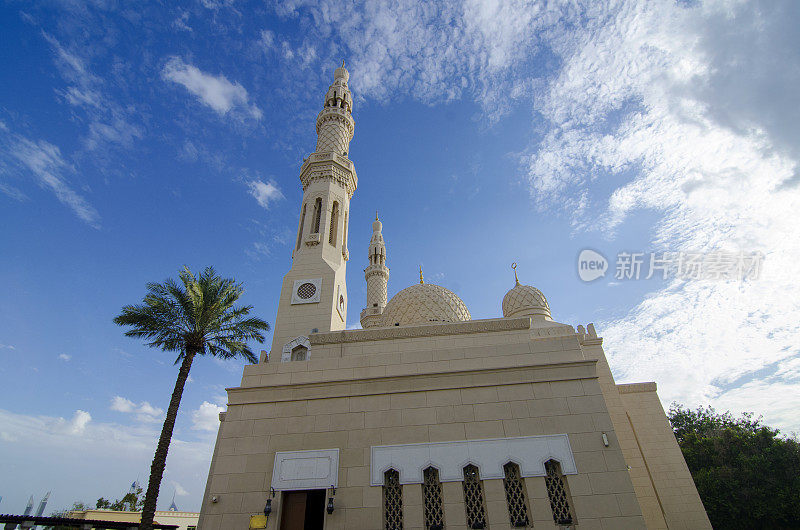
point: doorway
(303, 510)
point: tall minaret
(377, 276)
(314, 293)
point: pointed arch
(432, 499)
(516, 499)
(558, 493)
(474, 501)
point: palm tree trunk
(160, 458)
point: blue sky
(136, 141)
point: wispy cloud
(43, 161)
(264, 193)
(64, 357)
(110, 123)
(214, 91)
(180, 491)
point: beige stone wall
(672, 481)
(483, 379)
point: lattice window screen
(473, 498)
(432, 499)
(557, 492)
(515, 496)
(392, 501)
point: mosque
(426, 418)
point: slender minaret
(377, 276)
(314, 293)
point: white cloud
(206, 417)
(264, 192)
(64, 357)
(144, 411)
(7, 346)
(215, 91)
(685, 110)
(75, 455)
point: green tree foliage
(746, 474)
(193, 316)
(131, 502)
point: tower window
(306, 290)
(392, 501)
(344, 232)
(473, 498)
(300, 231)
(432, 499)
(317, 215)
(515, 496)
(557, 493)
(334, 223)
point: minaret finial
(421, 279)
(376, 215)
(514, 266)
(342, 63)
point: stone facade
(431, 418)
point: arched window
(302, 223)
(392, 501)
(432, 499)
(515, 496)
(473, 498)
(317, 215)
(344, 232)
(334, 223)
(557, 493)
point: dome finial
(376, 215)
(514, 266)
(421, 279)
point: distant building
(184, 520)
(426, 418)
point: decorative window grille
(392, 501)
(300, 353)
(432, 499)
(334, 224)
(515, 496)
(317, 215)
(557, 492)
(473, 498)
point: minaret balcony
(329, 165)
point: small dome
(341, 73)
(525, 301)
(424, 303)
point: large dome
(424, 303)
(525, 301)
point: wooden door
(293, 514)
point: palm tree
(191, 317)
